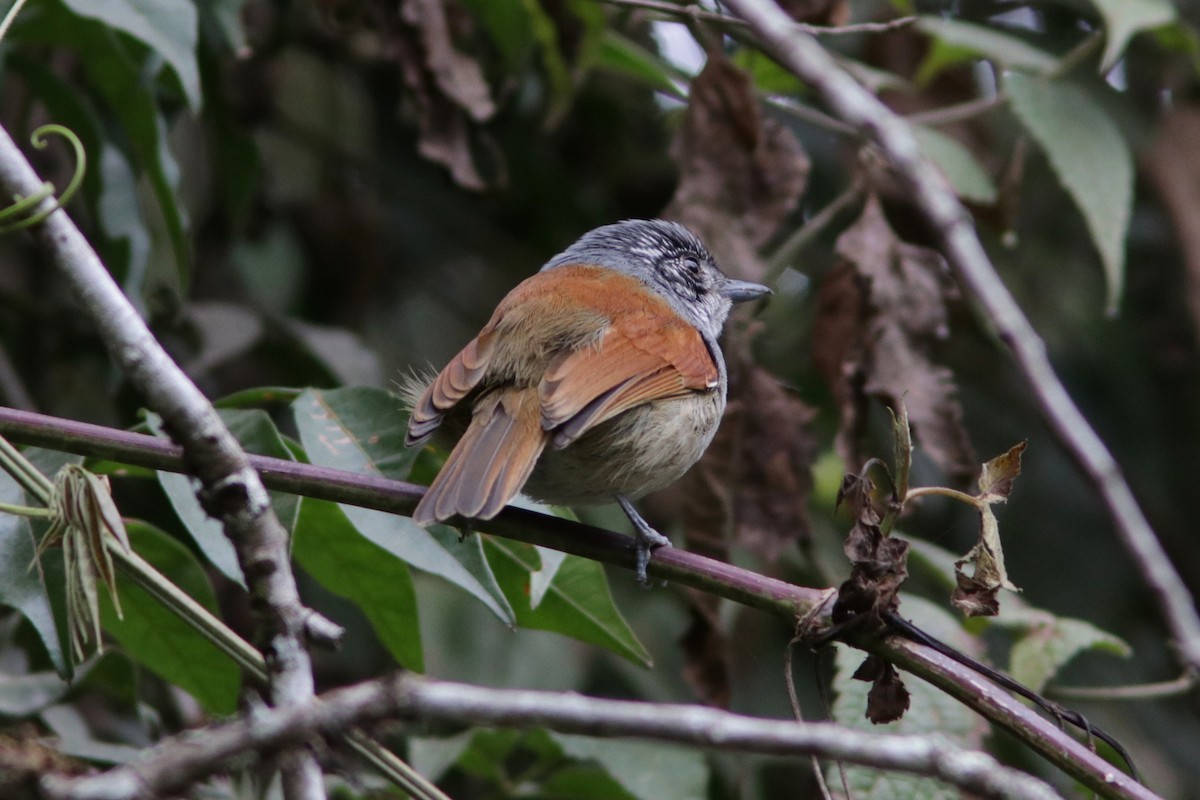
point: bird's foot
(647, 539)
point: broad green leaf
(329, 549)
(167, 27)
(362, 430)
(1045, 649)
(577, 603)
(956, 41)
(162, 642)
(21, 587)
(22, 695)
(257, 434)
(1045, 642)
(1091, 159)
(646, 770)
(1125, 18)
(966, 175)
(931, 711)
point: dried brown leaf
(882, 312)
(447, 89)
(741, 173)
(457, 75)
(889, 698)
(996, 478)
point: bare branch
(694, 11)
(689, 569)
(181, 761)
(851, 102)
(231, 490)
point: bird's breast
(641, 451)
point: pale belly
(639, 452)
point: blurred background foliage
(325, 193)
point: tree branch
(231, 490)
(176, 763)
(690, 569)
(851, 102)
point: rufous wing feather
(460, 376)
(637, 361)
(491, 462)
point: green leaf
(1124, 18)
(624, 56)
(20, 586)
(966, 175)
(22, 695)
(329, 549)
(931, 712)
(577, 602)
(158, 639)
(1091, 159)
(362, 430)
(1045, 642)
(956, 41)
(257, 434)
(167, 27)
(646, 770)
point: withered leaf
(996, 478)
(882, 312)
(975, 595)
(889, 698)
(447, 88)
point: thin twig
(693, 11)
(853, 103)
(959, 111)
(174, 764)
(1143, 691)
(803, 236)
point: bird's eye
(691, 265)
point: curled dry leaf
(84, 520)
(879, 314)
(889, 698)
(976, 594)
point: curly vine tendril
(11, 217)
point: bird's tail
(492, 460)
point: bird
(598, 378)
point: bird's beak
(741, 291)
